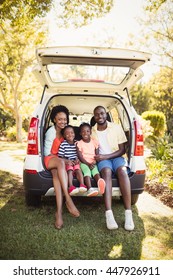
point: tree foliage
(79, 13)
(161, 87)
(14, 9)
(154, 5)
(21, 32)
(141, 98)
(18, 38)
(6, 120)
(159, 29)
(157, 121)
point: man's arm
(118, 153)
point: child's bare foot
(58, 221)
(72, 208)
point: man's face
(100, 115)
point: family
(98, 154)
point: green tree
(6, 120)
(159, 29)
(21, 31)
(161, 86)
(141, 98)
(18, 38)
(157, 121)
(14, 9)
(79, 13)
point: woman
(53, 138)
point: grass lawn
(29, 233)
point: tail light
(139, 144)
(32, 148)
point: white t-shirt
(104, 147)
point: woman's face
(60, 120)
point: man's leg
(124, 184)
(106, 174)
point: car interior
(81, 110)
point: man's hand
(100, 157)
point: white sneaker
(110, 221)
(129, 224)
(92, 192)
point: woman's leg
(59, 199)
(59, 165)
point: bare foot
(72, 208)
(59, 221)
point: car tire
(32, 200)
(134, 198)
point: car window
(108, 74)
(77, 120)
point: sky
(119, 24)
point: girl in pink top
(87, 148)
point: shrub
(157, 121)
(147, 130)
(160, 171)
(163, 148)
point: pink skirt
(47, 159)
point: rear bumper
(41, 183)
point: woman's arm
(49, 138)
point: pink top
(88, 149)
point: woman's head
(60, 115)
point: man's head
(100, 115)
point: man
(111, 139)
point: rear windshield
(66, 72)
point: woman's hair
(84, 124)
(59, 109)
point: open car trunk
(81, 110)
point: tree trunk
(18, 128)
